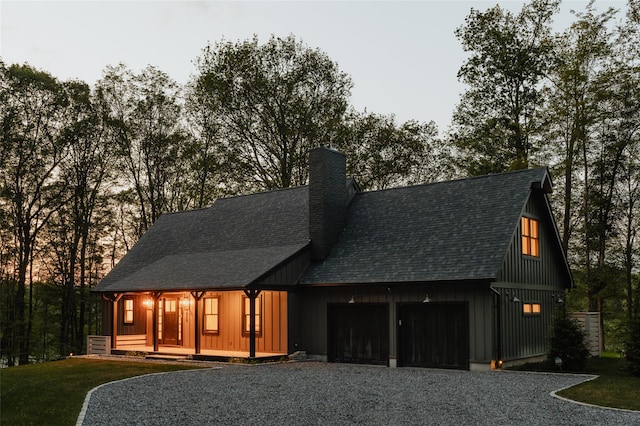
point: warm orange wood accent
(229, 338)
(274, 322)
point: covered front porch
(212, 324)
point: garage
(358, 333)
(433, 335)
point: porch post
(197, 296)
(252, 295)
(156, 300)
(113, 305)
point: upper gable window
(530, 237)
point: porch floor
(173, 350)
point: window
(211, 321)
(530, 238)
(531, 308)
(246, 315)
(128, 311)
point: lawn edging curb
(586, 404)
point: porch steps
(166, 357)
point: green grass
(613, 388)
(52, 393)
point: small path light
(558, 362)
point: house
(461, 274)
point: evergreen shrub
(567, 343)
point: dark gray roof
(447, 231)
(228, 245)
(455, 230)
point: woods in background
(86, 170)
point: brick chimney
(327, 199)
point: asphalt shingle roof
(455, 230)
(230, 244)
(446, 231)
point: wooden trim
(252, 294)
(204, 315)
(197, 295)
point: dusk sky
(403, 57)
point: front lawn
(613, 388)
(52, 393)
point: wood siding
(548, 268)
(230, 338)
(273, 338)
(309, 322)
(525, 335)
(287, 274)
(531, 280)
(139, 325)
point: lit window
(530, 238)
(211, 315)
(128, 311)
(531, 308)
(170, 306)
(247, 316)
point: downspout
(498, 327)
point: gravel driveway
(311, 393)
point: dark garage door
(358, 333)
(433, 335)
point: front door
(433, 335)
(171, 322)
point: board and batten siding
(526, 335)
(139, 325)
(546, 270)
(273, 338)
(309, 323)
(530, 280)
(288, 274)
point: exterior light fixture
(147, 303)
(558, 362)
(352, 300)
(185, 304)
(513, 298)
(427, 299)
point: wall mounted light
(515, 299)
(186, 303)
(352, 300)
(427, 299)
(147, 303)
